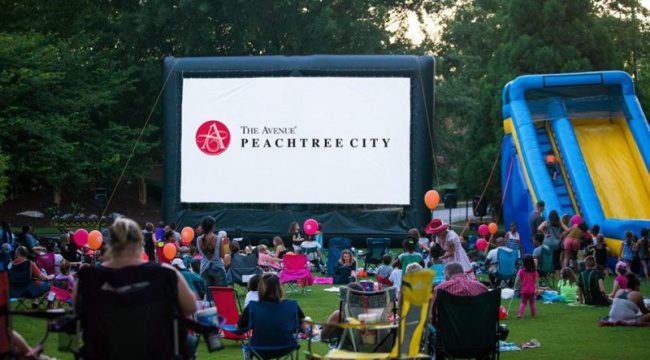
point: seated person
(457, 283)
(620, 282)
(253, 293)
(25, 278)
(269, 290)
(492, 259)
(410, 255)
(266, 260)
(333, 332)
(64, 280)
(280, 249)
(436, 264)
(628, 303)
(306, 247)
(539, 248)
(194, 281)
(591, 289)
(384, 270)
(396, 277)
(49, 261)
(567, 286)
(346, 269)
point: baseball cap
(178, 263)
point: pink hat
(621, 265)
(435, 227)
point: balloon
(310, 226)
(81, 237)
(169, 250)
(187, 235)
(502, 312)
(483, 230)
(493, 227)
(95, 240)
(431, 199)
(481, 244)
(576, 220)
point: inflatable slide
(594, 127)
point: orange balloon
(187, 235)
(431, 199)
(169, 250)
(493, 227)
(95, 240)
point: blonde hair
(124, 234)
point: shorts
(571, 244)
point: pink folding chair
(295, 272)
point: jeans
(214, 276)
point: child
(169, 238)
(296, 237)
(64, 280)
(396, 277)
(513, 239)
(643, 248)
(280, 250)
(600, 253)
(567, 286)
(628, 248)
(252, 294)
(384, 270)
(409, 255)
(436, 264)
(265, 260)
(527, 276)
(620, 282)
(551, 164)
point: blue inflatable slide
(594, 126)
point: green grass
(565, 332)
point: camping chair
(410, 328)
(20, 280)
(133, 313)
(467, 326)
(377, 248)
(274, 327)
(381, 304)
(307, 251)
(506, 267)
(334, 250)
(295, 273)
(242, 268)
(228, 307)
(545, 269)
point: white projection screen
(296, 140)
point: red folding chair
(225, 299)
(5, 336)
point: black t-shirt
(588, 282)
(69, 252)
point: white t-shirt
(251, 296)
(493, 256)
(396, 278)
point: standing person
(169, 238)
(572, 245)
(643, 250)
(450, 243)
(536, 218)
(628, 248)
(527, 277)
(600, 253)
(319, 235)
(296, 237)
(552, 230)
(213, 270)
(149, 245)
(177, 235)
(7, 236)
(68, 249)
(513, 240)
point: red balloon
(81, 237)
(483, 230)
(481, 244)
(502, 312)
(310, 226)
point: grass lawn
(565, 332)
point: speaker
(480, 209)
(450, 198)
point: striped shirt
(460, 285)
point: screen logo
(213, 137)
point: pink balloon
(310, 226)
(481, 244)
(81, 237)
(576, 220)
(483, 230)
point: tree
(4, 179)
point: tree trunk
(57, 196)
(142, 191)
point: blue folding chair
(275, 327)
(334, 250)
(506, 266)
(377, 248)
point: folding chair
(377, 248)
(309, 251)
(381, 304)
(506, 267)
(229, 307)
(410, 328)
(467, 326)
(20, 282)
(274, 329)
(545, 268)
(133, 313)
(295, 273)
(334, 250)
(242, 268)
